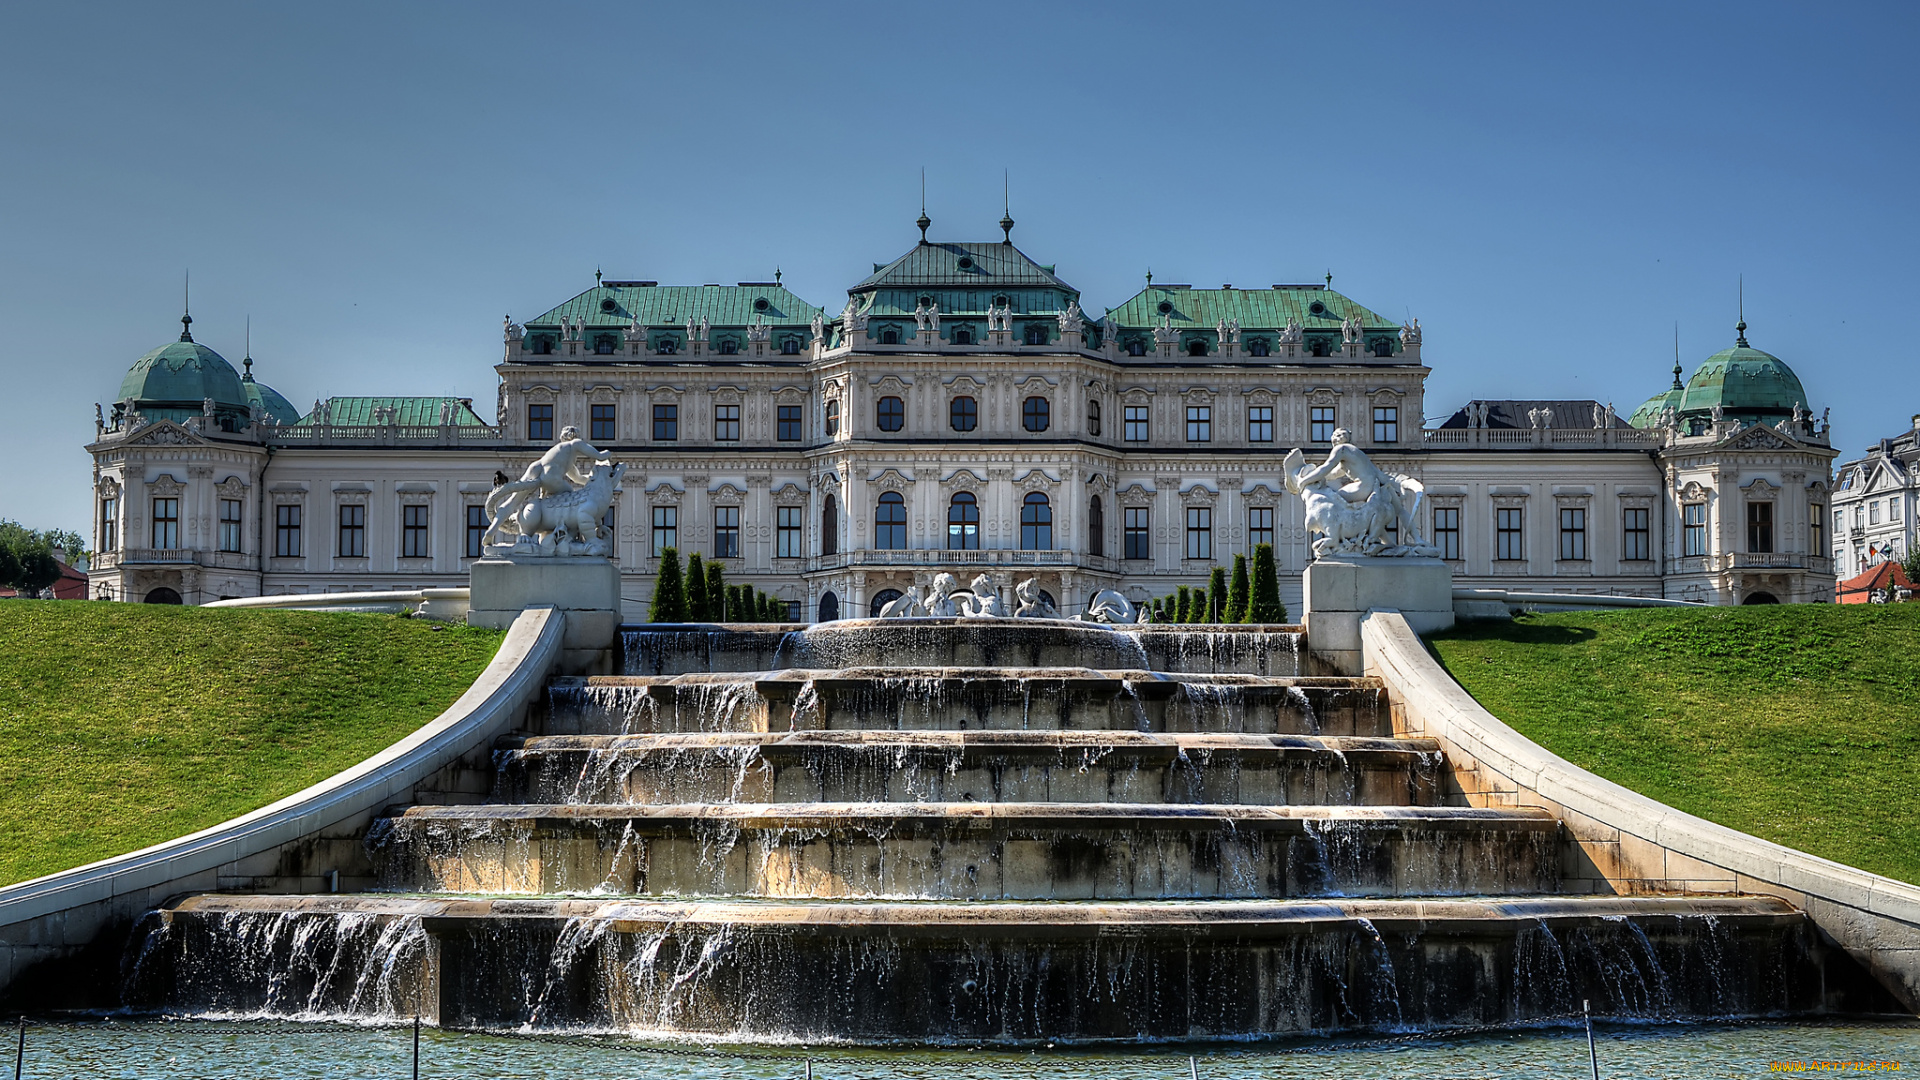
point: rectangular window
(1199, 423)
(286, 532)
(787, 536)
(229, 524)
(666, 528)
(353, 531)
(1693, 529)
(793, 611)
(601, 426)
(1093, 418)
(726, 423)
(1139, 540)
(166, 523)
(1446, 531)
(1839, 525)
(790, 425)
(109, 524)
(1134, 418)
(476, 531)
(1509, 541)
(1638, 535)
(1893, 508)
(726, 532)
(1321, 423)
(666, 423)
(540, 423)
(1873, 512)
(1816, 519)
(1386, 423)
(1199, 532)
(1573, 533)
(1760, 527)
(1260, 423)
(413, 533)
(1259, 526)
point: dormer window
(729, 347)
(1136, 347)
(890, 336)
(1036, 334)
(1382, 347)
(603, 345)
(666, 346)
(1322, 347)
(962, 336)
(790, 347)
(542, 345)
(1196, 348)
(1257, 347)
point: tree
(669, 590)
(1157, 615)
(1197, 611)
(716, 592)
(1911, 564)
(1217, 595)
(27, 564)
(1265, 605)
(737, 604)
(697, 590)
(1183, 605)
(1237, 592)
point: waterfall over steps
(937, 831)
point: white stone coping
(449, 604)
(1530, 601)
(1652, 846)
(489, 708)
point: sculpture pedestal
(586, 590)
(1340, 590)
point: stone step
(913, 643)
(996, 973)
(969, 766)
(968, 699)
(974, 851)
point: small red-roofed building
(1883, 580)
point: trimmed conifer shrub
(1265, 606)
(1197, 609)
(1217, 595)
(716, 592)
(1183, 605)
(669, 590)
(696, 589)
(1237, 592)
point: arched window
(1096, 528)
(791, 347)
(162, 595)
(1196, 348)
(890, 521)
(1136, 347)
(543, 345)
(889, 414)
(666, 346)
(1093, 416)
(833, 417)
(603, 345)
(1036, 523)
(1383, 346)
(829, 530)
(1257, 347)
(1035, 414)
(963, 523)
(729, 347)
(882, 599)
(829, 607)
(1036, 334)
(964, 413)
(962, 335)
(890, 335)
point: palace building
(960, 412)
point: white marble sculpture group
(556, 506)
(1354, 507)
(945, 599)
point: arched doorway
(162, 595)
(1760, 597)
(882, 599)
(829, 608)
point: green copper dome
(1649, 411)
(268, 400)
(181, 375)
(1745, 383)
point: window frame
(963, 522)
(603, 423)
(1140, 425)
(832, 418)
(1036, 409)
(664, 523)
(830, 525)
(1636, 534)
(231, 537)
(1136, 529)
(1320, 428)
(1093, 417)
(726, 531)
(166, 522)
(109, 537)
(350, 531)
(1386, 423)
(1199, 423)
(539, 421)
(476, 531)
(416, 536)
(789, 532)
(1761, 536)
(790, 423)
(963, 407)
(1259, 526)
(1573, 534)
(666, 421)
(1096, 527)
(1693, 533)
(1036, 522)
(286, 531)
(1510, 533)
(893, 526)
(1259, 423)
(1199, 543)
(1446, 532)
(726, 422)
(890, 409)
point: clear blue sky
(1547, 189)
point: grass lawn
(1796, 723)
(123, 725)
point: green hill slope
(123, 725)
(1799, 723)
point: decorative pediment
(828, 481)
(1759, 437)
(1323, 395)
(166, 433)
(1198, 395)
(1760, 489)
(1259, 395)
(540, 393)
(165, 486)
(1136, 489)
(1137, 395)
(1036, 480)
(727, 395)
(789, 490)
(891, 480)
(233, 487)
(107, 486)
(790, 395)
(1097, 483)
(603, 394)
(1818, 487)
(962, 478)
(664, 493)
(1386, 393)
(891, 384)
(725, 492)
(1261, 491)
(1035, 384)
(965, 384)
(1694, 492)
(1199, 493)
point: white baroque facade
(1873, 504)
(960, 413)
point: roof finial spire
(1329, 279)
(1006, 203)
(247, 361)
(186, 308)
(923, 220)
(1676, 356)
(1149, 277)
(596, 277)
(1741, 327)
(776, 275)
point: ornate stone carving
(1351, 503)
(1410, 333)
(513, 331)
(1293, 333)
(1071, 320)
(1031, 604)
(556, 506)
(852, 320)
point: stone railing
(290, 846)
(943, 558)
(383, 435)
(219, 560)
(1627, 843)
(1563, 438)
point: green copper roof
(409, 411)
(619, 304)
(268, 400)
(1257, 309)
(183, 373)
(977, 266)
(1650, 409)
(1745, 383)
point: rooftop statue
(1353, 505)
(514, 331)
(1410, 333)
(1071, 320)
(1293, 333)
(556, 506)
(852, 320)
(819, 328)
